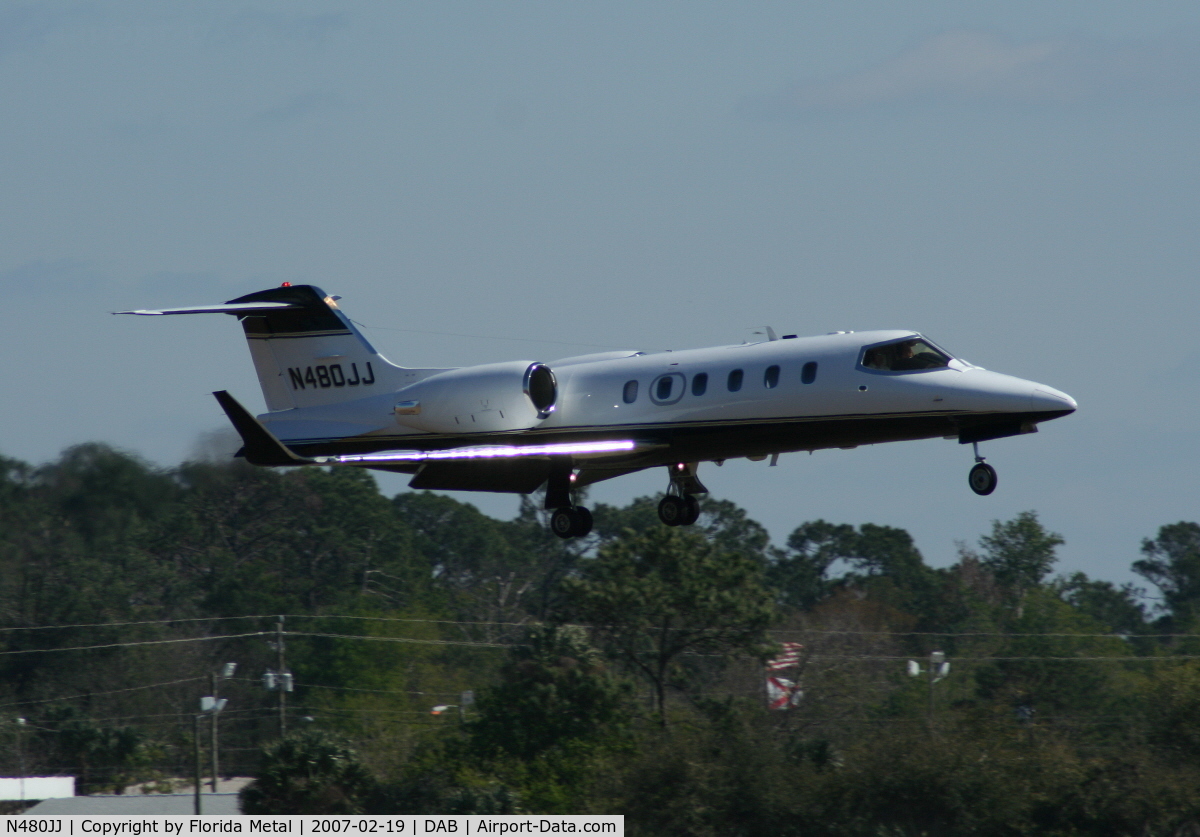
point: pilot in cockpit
(904, 356)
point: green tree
(1172, 564)
(484, 567)
(1116, 608)
(1019, 553)
(801, 573)
(104, 758)
(658, 595)
(883, 561)
(554, 689)
(722, 522)
(309, 773)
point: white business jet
(521, 425)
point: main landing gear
(675, 510)
(982, 478)
(680, 507)
(567, 520)
(571, 522)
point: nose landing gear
(680, 507)
(982, 478)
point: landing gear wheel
(982, 479)
(693, 510)
(672, 510)
(562, 523)
(583, 521)
(571, 522)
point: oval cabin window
(630, 393)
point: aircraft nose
(1048, 398)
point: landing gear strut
(680, 507)
(982, 478)
(568, 519)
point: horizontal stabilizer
(261, 448)
(227, 308)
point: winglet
(261, 448)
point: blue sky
(495, 180)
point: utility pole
(199, 768)
(938, 668)
(282, 670)
(217, 676)
(21, 754)
(281, 680)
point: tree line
(447, 662)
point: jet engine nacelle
(517, 395)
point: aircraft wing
(511, 468)
(480, 453)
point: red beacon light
(286, 285)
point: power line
(405, 640)
(99, 694)
(128, 624)
(952, 634)
(482, 623)
(966, 659)
(132, 644)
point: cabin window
(908, 355)
(771, 377)
(630, 393)
(809, 373)
(667, 389)
(735, 380)
(700, 384)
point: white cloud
(969, 66)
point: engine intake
(541, 388)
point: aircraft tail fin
(306, 351)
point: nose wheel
(982, 478)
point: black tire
(982, 479)
(583, 521)
(562, 523)
(692, 513)
(672, 510)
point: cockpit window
(905, 356)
